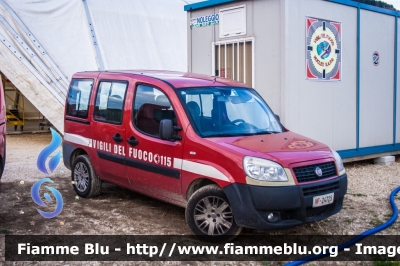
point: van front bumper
(251, 205)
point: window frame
(235, 72)
(133, 108)
(123, 103)
(89, 98)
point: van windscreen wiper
(266, 132)
(224, 135)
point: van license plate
(323, 200)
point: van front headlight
(264, 170)
(339, 163)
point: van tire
(205, 202)
(82, 169)
(3, 161)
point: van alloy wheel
(86, 183)
(209, 215)
(81, 177)
(213, 216)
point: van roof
(177, 79)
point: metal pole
(358, 77)
(396, 59)
(100, 64)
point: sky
(395, 3)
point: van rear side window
(110, 101)
(78, 97)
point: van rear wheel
(210, 215)
(3, 161)
(85, 181)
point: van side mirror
(277, 117)
(166, 129)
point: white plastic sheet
(147, 34)
(61, 27)
(140, 34)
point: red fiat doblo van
(208, 144)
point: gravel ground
(118, 211)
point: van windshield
(227, 111)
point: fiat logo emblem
(318, 171)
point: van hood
(285, 148)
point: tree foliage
(377, 3)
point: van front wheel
(210, 215)
(85, 181)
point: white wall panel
(201, 39)
(376, 82)
(268, 26)
(325, 111)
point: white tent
(45, 42)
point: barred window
(234, 59)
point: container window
(233, 21)
(78, 97)
(234, 59)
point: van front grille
(308, 173)
(315, 190)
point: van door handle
(132, 141)
(118, 138)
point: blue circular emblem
(324, 49)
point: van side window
(150, 107)
(110, 100)
(78, 97)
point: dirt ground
(121, 212)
